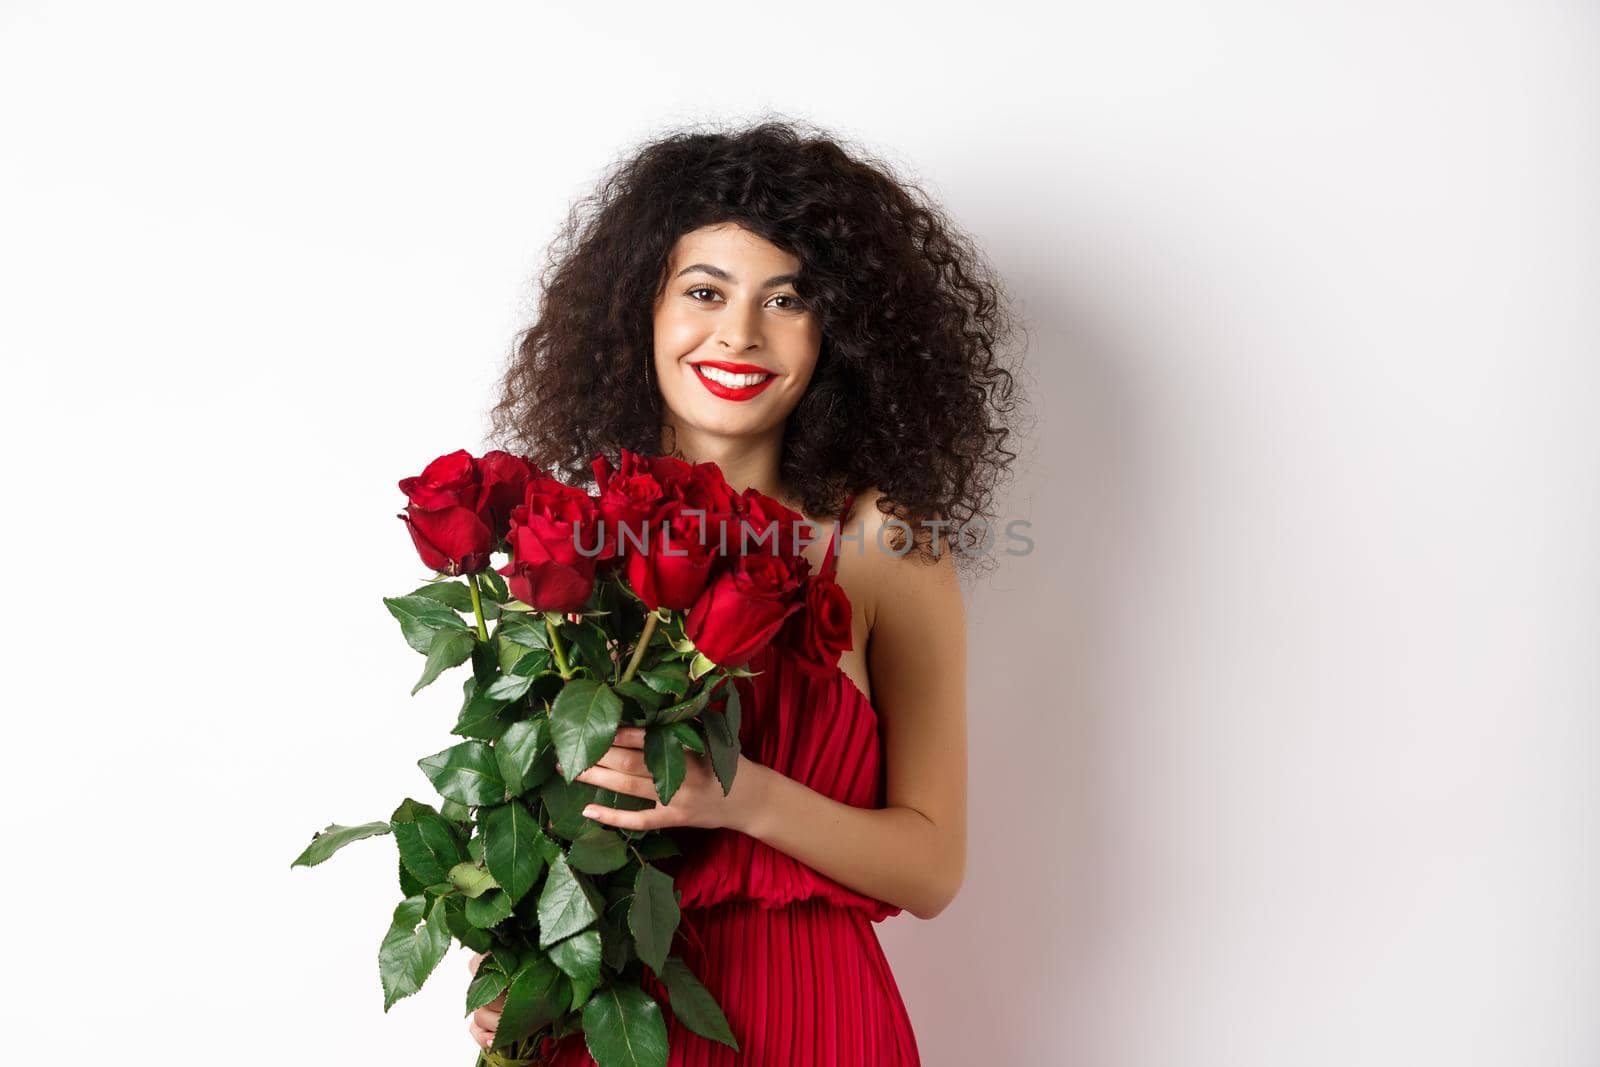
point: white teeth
(732, 381)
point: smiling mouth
(728, 378)
(732, 385)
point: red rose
(703, 489)
(745, 606)
(629, 496)
(635, 494)
(677, 561)
(505, 484)
(547, 569)
(815, 636)
(767, 527)
(442, 515)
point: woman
(826, 338)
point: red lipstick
(728, 392)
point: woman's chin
(723, 423)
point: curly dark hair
(911, 391)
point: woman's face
(730, 300)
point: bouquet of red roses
(636, 606)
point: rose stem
(477, 606)
(555, 646)
(638, 651)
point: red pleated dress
(790, 955)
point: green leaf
(598, 851)
(511, 847)
(427, 846)
(688, 709)
(332, 838)
(507, 651)
(452, 594)
(410, 884)
(663, 755)
(455, 917)
(589, 641)
(583, 724)
(653, 916)
(688, 735)
(465, 773)
(548, 847)
(566, 905)
(565, 802)
(410, 951)
(488, 983)
(641, 694)
(616, 945)
(657, 846)
(519, 747)
(472, 880)
(578, 957)
(493, 586)
(480, 718)
(421, 618)
(669, 679)
(455, 812)
(722, 739)
(730, 708)
(450, 648)
(532, 663)
(485, 665)
(623, 1027)
(510, 687)
(507, 957)
(493, 907)
(694, 1005)
(537, 996)
(527, 631)
(701, 666)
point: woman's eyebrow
(719, 273)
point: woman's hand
(486, 1020)
(699, 800)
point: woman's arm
(911, 853)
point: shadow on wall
(1020, 947)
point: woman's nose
(739, 327)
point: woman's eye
(794, 302)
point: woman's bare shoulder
(883, 574)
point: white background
(1283, 742)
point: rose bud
(816, 635)
(547, 570)
(745, 606)
(443, 517)
(677, 563)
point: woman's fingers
(618, 782)
(480, 1037)
(654, 818)
(485, 1020)
(626, 760)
